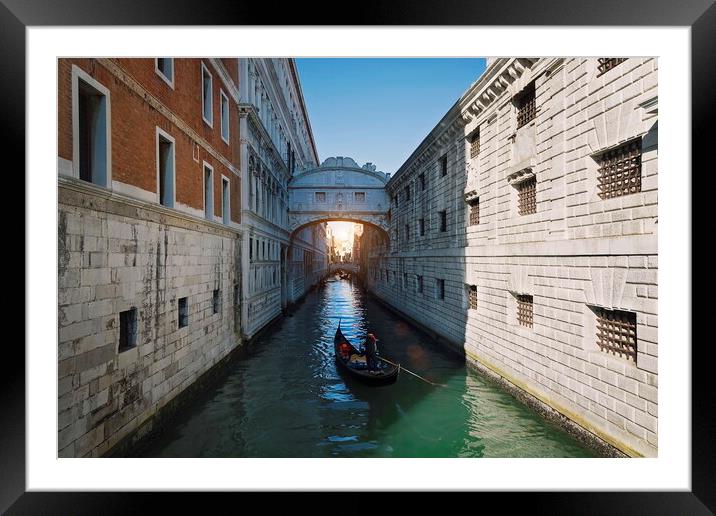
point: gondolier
(356, 364)
(371, 351)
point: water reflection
(287, 398)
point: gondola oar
(409, 371)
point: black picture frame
(699, 15)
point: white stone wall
(116, 254)
(276, 143)
(575, 253)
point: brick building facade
(152, 244)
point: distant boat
(355, 364)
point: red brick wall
(134, 123)
(232, 66)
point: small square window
(441, 288)
(607, 63)
(207, 89)
(360, 196)
(526, 105)
(474, 212)
(475, 145)
(216, 302)
(183, 312)
(527, 196)
(320, 196)
(525, 309)
(616, 333)
(127, 329)
(443, 220)
(165, 69)
(620, 170)
(224, 116)
(472, 295)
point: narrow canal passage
(285, 398)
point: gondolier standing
(371, 352)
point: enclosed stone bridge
(339, 190)
(349, 267)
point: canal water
(285, 397)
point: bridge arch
(339, 190)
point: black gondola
(384, 375)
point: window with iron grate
(526, 105)
(607, 63)
(472, 296)
(525, 307)
(474, 212)
(616, 333)
(475, 145)
(527, 196)
(620, 170)
(422, 182)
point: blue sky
(379, 110)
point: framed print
(242, 305)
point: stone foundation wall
(117, 254)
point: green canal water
(285, 398)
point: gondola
(385, 375)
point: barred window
(474, 212)
(526, 106)
(422, 182)
(620, 170)
(443, 166)
(420, 284)
(472, 294)
(407, 193)
(360, 196)
(616, 333)
(405, 280)
(527, 196)
(525, 307)
(320, 196)
(407, 232)
(475, 145)
(607, 63)
(421, 227)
